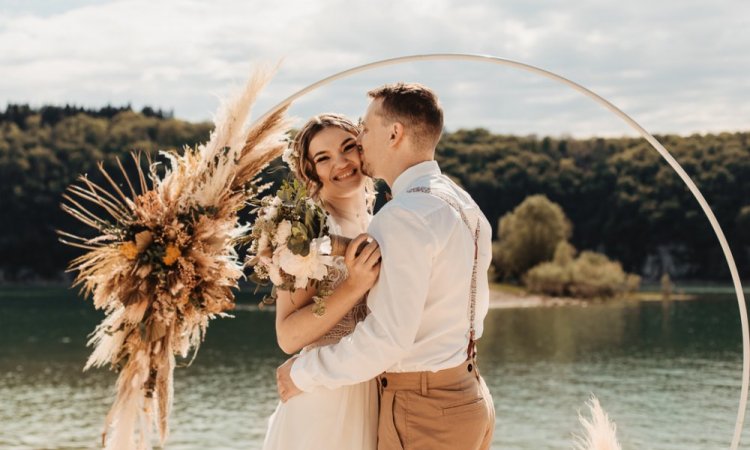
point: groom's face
(373, 138)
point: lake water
(667, 373)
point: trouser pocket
(389, 437)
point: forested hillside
(621, 198)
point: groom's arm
(396, 305)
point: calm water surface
(668, 374)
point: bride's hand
(363, 265)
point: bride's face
(335, 157)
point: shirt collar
(411, 174)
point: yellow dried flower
(129, 250)
(171, 254)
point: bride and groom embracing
(392, 362)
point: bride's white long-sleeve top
(419, 318)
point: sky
(673, 66)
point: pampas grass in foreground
(164, 261)
(600, 432)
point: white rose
(264, 245)
(323, 246)
(269, 213)
(275, 275)
(313, 266)
(283, 231)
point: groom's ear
(397, 133)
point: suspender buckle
(471, 350)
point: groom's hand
(284, 383)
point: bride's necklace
(357, 224)
(360, 220)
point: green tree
(529, 235)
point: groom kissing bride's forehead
(427, 304)
(403, 116)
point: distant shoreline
(502, 296)
(506, 296)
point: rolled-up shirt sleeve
(396, 304)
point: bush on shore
(590, 275)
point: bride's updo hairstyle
(298, 157)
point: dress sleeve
(396, 304)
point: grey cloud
(677, 67)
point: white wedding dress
(340, 419)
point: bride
(326, 158)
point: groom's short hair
(415, 106)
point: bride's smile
(345, 174)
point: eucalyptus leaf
(299, 246)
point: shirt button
(384, 382)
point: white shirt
(419, 318)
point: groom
(431, 297)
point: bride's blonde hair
(304, 169)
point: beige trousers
(447, 410)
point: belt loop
(423, 383)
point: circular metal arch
(634, 125)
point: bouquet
(163, 262)
(292, 245)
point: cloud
(675, 69)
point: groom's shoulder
(404, 216)
(414, 203)
(408, 206)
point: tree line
(620, 197)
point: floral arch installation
(630, 122)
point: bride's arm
(297, 326)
